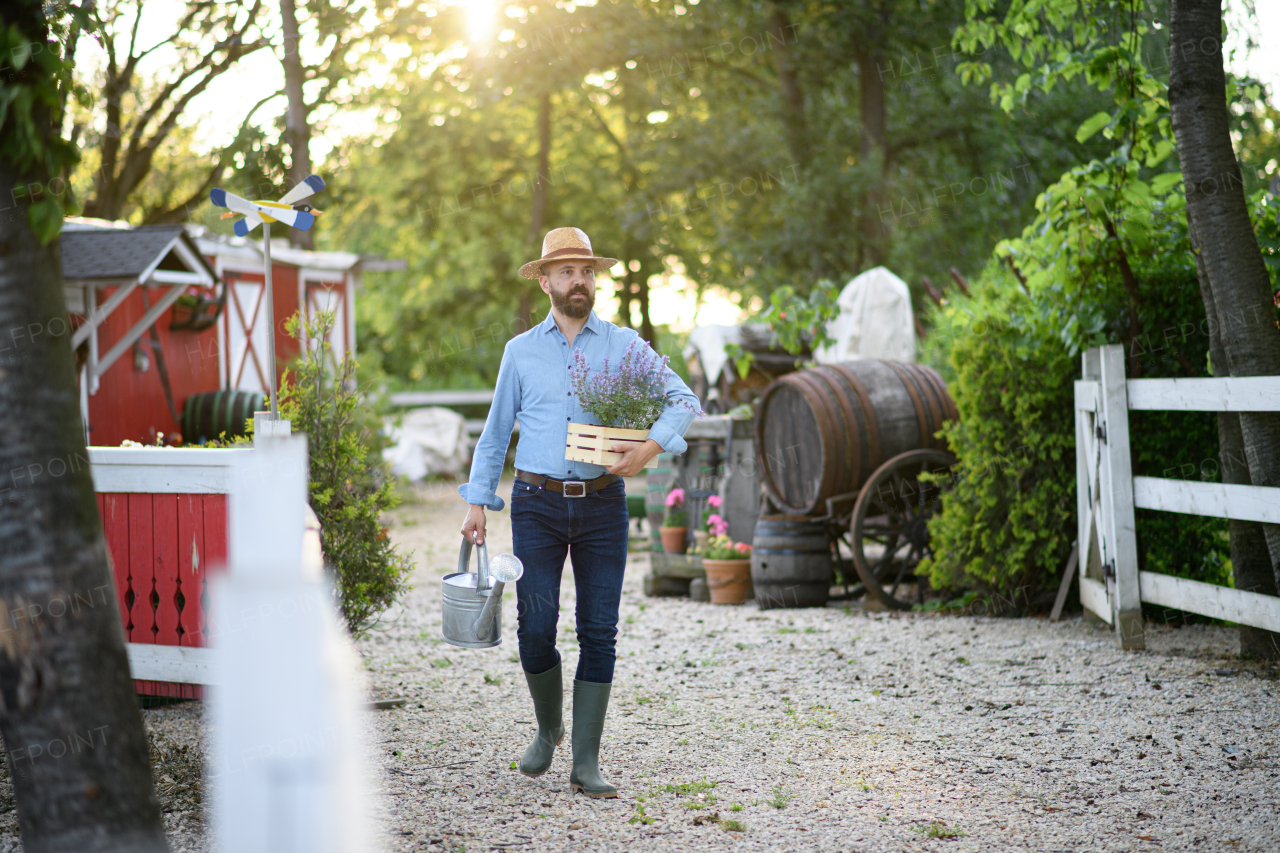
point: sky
(219, 110)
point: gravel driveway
(830, 729)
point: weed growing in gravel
(701, 801)
(938, 829)
(781, 797)
(864, 785)
(640, 817)
(736, 807)
(742, 647)
(442, 663)
(492, 679)
(690, 789)
(733, 826)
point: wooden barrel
(821, 432)
(790, 563)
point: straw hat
(566, 244)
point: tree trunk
(75, 741)
(1233, 273)
(642, 297)
(874, 148)
(1250, 560)
(538, 211)
(793, 117)
(298, 131)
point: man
(559, 506)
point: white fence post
(287, 769)
(1117, 522)
(1089, 535)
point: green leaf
(1161, 184)
(1092, 126)
(45, 219)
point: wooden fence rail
(1111, 586)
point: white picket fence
(1111, 586)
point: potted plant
(626, 401)
(728, 566)
(704, 533)
(675, 527)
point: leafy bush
(1009, 523)
(348, 489)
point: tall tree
(141, 115)
(76, 745)
(1234, 280)
(297, 128)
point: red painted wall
(129, 403)
(164, 548)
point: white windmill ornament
(291, 211)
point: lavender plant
(633, 396)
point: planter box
(682, 566)
(591, 443)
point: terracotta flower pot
(728, 580)
(673, 539)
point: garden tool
(472, 607)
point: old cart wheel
(890, 520)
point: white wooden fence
(1111, 586)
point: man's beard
(572, 308)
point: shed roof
(91, 252)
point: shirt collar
(594, 323)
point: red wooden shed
(166, 312)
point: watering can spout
(484, 623)
(507, 569)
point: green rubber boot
(548, 709)
(590, 701)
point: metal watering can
(472, 611)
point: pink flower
(742, 547)
(714, 500)
(675, 497)
(719, 527)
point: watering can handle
(464, 555)
(482, 565)
(482, 568)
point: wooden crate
(591, 443)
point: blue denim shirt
(533, 387)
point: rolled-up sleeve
(491, 449)
(670, 428)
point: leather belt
(568, 488)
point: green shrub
(348, 488)
(1009, 523)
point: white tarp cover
(430, 440)
(708, 342)
(875, 320)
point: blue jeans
(592, 530)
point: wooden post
(1088, 394)
(1116, 521)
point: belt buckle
(581, 484)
